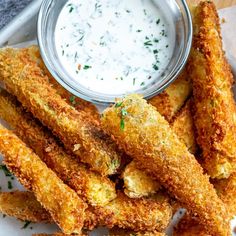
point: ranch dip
(113, 46)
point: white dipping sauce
(113, 46)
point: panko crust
(214, 105)
(138, 215)
(169, 102)
(78, 132)
(32, 54)
(63, 204)
(23, 206)
(147, 137)
(183, 126)
(137, 182)
(226, 189)
(90, 186)
(144, 214)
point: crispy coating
(139, 215)
(90, 186)
(173, 98)
(214, 105)
(138, 183)
(183, 126)
(64, 205)
(226, 189)
(23, 206)
(147, 137)
(78, 132)
(33, 54)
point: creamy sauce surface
(113, 46)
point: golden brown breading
(214, 105)
(90, 186)
(138, 183)
(183, 126)
(64, 205)
(173, 98)
(23, 206)
(226, 189)
(79, 133)
(147, 137)
(33, 55)
(139, 215)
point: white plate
(20, 32)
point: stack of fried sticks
(177, 150)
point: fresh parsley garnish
(86, 67)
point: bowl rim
(177, 70)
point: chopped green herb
(122, 124)
(148, 43)
(128, 11)
(124, 112)
(86, 67)
(167, 46)
(71, 9)
(145, 12)
(134, 80)
(67, 45)
(158, 21)
(9, 185)
(138, 30)
(27, 223)
(142, 84)
(72, 100)
(155, 51)
(5, 170)
(115, 164)
(156, 40)
(121, 78)
(118, 104)
(63, 52)
(155, 67)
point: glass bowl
(179, 20)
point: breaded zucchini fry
(139, 215)
(214, 105)
(78, 132)
(226, 189)
(23, 206)
(138, 183)
(64, 205)
(147, 137)
(90, 186)
(78, 103)
(32, 54)
(173, 98)
(183, 126)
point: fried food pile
(134, 167)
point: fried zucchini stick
(147, 137)
(23, 206)
(78, 132)
(139, 215)
(64, 205)
(90, 186)
(169, 102)
(138, 183)
(33, 55)
(214, 105)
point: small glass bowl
(179, 17)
